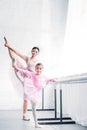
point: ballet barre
(62, 120)
(56, 120)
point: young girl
(33, 83)
(31, 61)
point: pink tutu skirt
(30, 91)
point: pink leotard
(33, 84)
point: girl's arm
(23, 72)
(25, 58)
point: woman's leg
(25, 105)
(11, 53)
(15, 61)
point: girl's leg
(34, 115)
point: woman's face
(34, 52)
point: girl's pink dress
(32, 84)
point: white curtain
(73, 61)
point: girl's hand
(53, 80)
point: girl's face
(39, 69)
(34, 52)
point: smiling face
(35, 51)
(39, 68)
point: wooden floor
(12, 120)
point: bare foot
(38, 126)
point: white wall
(28, 23)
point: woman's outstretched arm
(25, 58)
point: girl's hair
(36, 48)
(39, 64)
